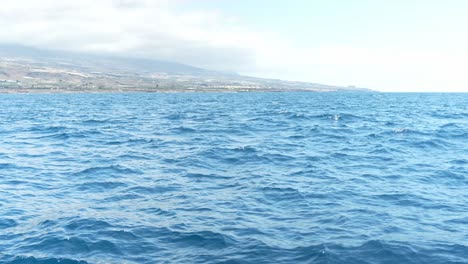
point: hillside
(24, 69)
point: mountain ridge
(27, 69)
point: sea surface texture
(234, 178)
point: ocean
(234, 178)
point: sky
(398, 45)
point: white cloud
(209, 39)
(383, 68)
(138, 28)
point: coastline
(220, 90)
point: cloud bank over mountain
(394, 46)
(141, 28)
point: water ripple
(234, 178)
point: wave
(100, 186)
(71, 135)
(34, 260)
(70, 246)
(235, 178)
(107, 170)
(95, 122)
(7, 223)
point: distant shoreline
(29, 70)
(64, 91)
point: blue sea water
(234, 178)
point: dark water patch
(71, 135)
(450, 115)
(96, 122)
(451, 126)
(282, 194)
(33, 260)
(404, 199)
(107, 170)
(232, 155)
(199, 239)
(47, 129)
(136, 142)
(152, 190)
(7, 166)
(429, 144)
(158, 211)
(183, 130)
(100, 186)
(87, 225)
(69, 246)
(13, 166)
(459, 161)
(7, 223)
(123, 197)
(202, 176)
(133, 157)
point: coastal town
(62, 74)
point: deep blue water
(234, 178)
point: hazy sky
(397, 45)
